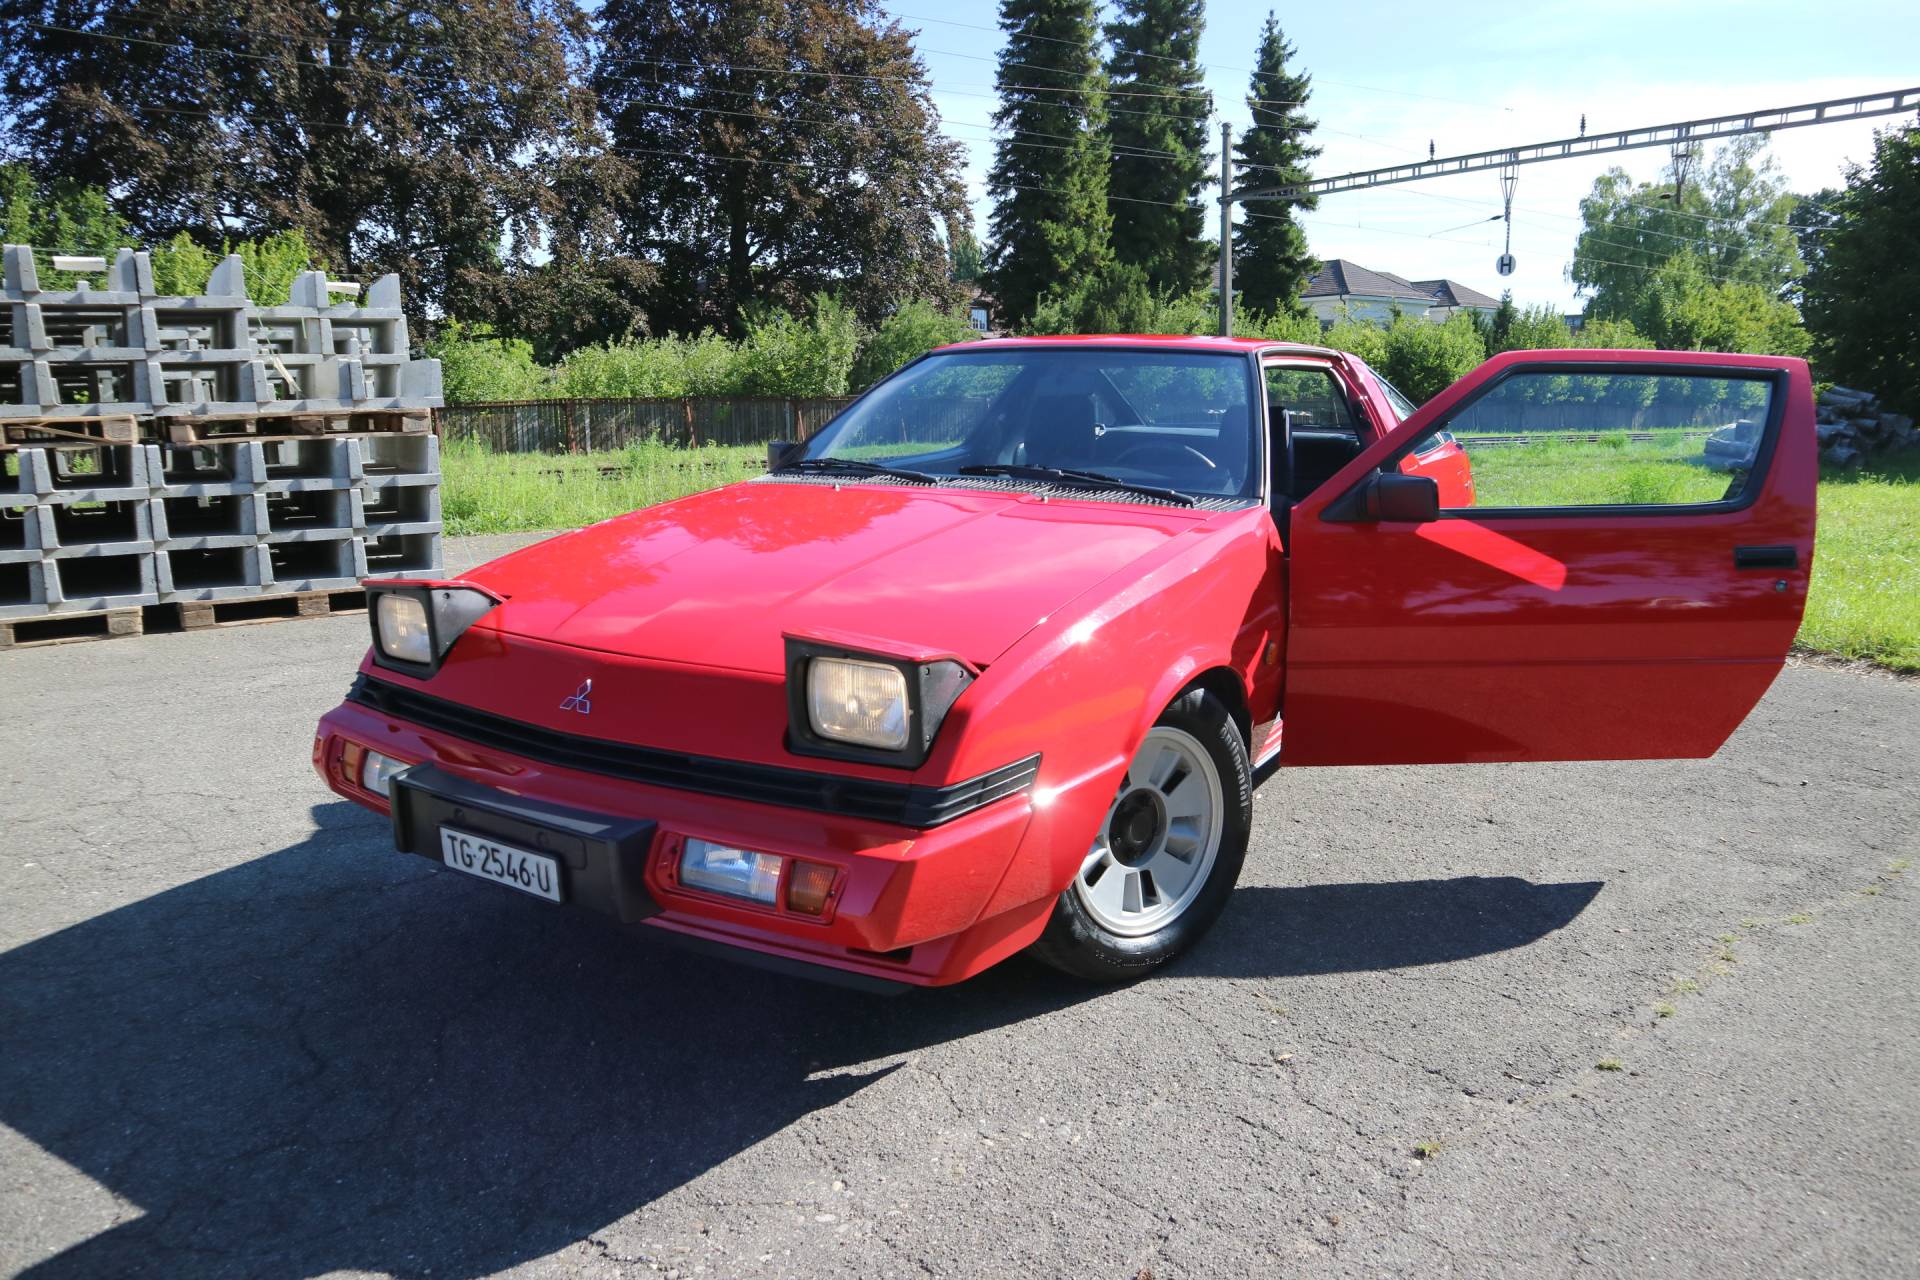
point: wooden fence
(584, 426)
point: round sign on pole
(1505, 264)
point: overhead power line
(1767, 120)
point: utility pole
(1226, 229)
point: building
(1342, 288)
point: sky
(1467, 76)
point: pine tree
(1271, 261)
(1050, 222)
(1157, 130)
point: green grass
(1552, 472)
(485, 492)
(1865, 600)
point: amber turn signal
(809, 885)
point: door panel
(1618, 629)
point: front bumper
(911, 905)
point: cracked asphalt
(241, 1037)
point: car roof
(1153, 342)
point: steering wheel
(1180, 454)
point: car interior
(1313, 428)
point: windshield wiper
(1077, 479)
(858, 466)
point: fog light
(737, 873)
(809, 885)
(377, 770)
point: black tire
(1076, 942)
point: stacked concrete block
(165, 450)
(122, 349)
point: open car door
(1612, 592)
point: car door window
(1325, 436)
(1551, 438)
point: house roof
(1339, 278)
(1451, 293)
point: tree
(1116, 298)
(412, 138)
(1860, 294)
(1157, 133)
(1682, 308)
(1735, 217)
(964, 250)
(1271, 260)
(1050, 223)
(776, 151)
(62, 216)
(1495, 328)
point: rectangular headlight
(863, 703)
(416, 623)
(737, 873)
(376, 772)
(402, 629)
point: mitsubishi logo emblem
(580, 700)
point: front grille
(901, 803)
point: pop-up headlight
(415, 623)
(846, 704)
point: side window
(1563, 437)
(1317, 402)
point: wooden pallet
(31, 633)
(198, 615)
(266, 427)
(102, 429)
(193, 615)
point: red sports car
(993, 661)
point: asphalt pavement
(239, 1036)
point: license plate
(533, 873)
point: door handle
(1766, 558)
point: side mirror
(1393, 496)
(781, 452)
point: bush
(1423, 359)
(913, 329)
(1611, 335)
(787, 356)
(1279, 326)
(1358, 337)
(1117, 299)
(475, 366)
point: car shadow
(335, 1057)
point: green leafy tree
(911, 331)
(1860, 294)
(1157, 118)
(414, 138)
(1358, 337)
(788, 355)
(1495, 328)
(776, 150)
(59, 216)
(1682, 308)
(182, 266)
(1051, 224)
(1271, 260)
(1734, 217)
(964, 251)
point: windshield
(1178, 420)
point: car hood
(717, 578)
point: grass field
(1866, 581)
